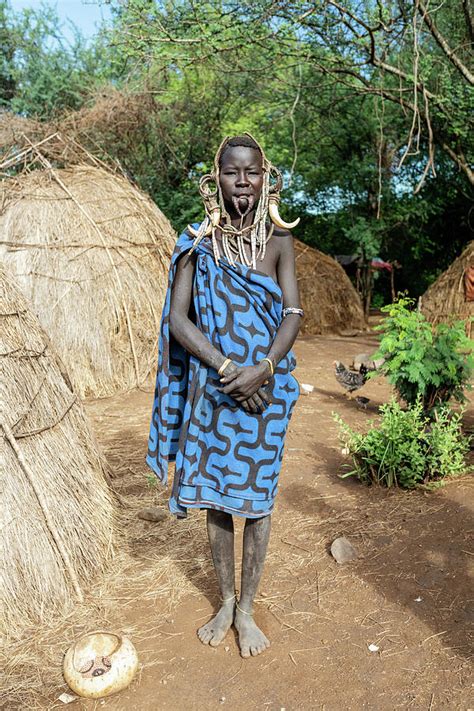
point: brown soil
(409, 593)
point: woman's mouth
(243, 204)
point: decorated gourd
(100, 664)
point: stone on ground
(152, 513)
(342, 550)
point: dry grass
(328, 297)
(156, 566)
(444, 300)
(92, 253)
(110, 116)
(58, 517)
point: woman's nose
(242, 178)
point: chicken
(350, 379)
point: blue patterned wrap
(226, 458)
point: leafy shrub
(407, 448)
(435, 363)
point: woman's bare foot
(213, 632)
(252, 641)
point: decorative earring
(210, 198)
(274, 201)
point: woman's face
(241, 179)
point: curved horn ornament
(275, 215)
(192, 231)
(195, 233)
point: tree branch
(452, 56)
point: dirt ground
(409, 593)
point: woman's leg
(220, 530)
(252, 641)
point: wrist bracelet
(292, 310)
(271, 364)
(224, 365)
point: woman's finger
(254, 403)
(264, 395)
(258, 401)
(228, 377)
(227, 389)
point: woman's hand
(244, 384)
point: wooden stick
(18, 157)
(60, 417)
(44, 509)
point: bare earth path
(409, 593)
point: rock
(306, 388)
(343, 551)
(362, 358)
(152, 513)
(67, 698)
(368, 361)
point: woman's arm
(193, 340)
(286, 275)
(246, 382)
(181, 326)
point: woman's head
(240, 167)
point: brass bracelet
(271, 364)
(224, 365)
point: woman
(225, 392)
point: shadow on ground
(417, 555)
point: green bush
(407, 448)
(434, 363)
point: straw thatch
(56, 508)
(112, 117)
(92, 253)
(445, 300)
(12, 128)
(330, 301)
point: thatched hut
(330, 302)
(451, 296)
(57, 513)
(92, 253)
(113, 119)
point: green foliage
(422, 361)
(407, 449)
(151, 480)
(290, 76)
(41, 74)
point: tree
(41, 74)
(402, 52)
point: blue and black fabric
(226, 458)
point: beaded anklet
(228, 599)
